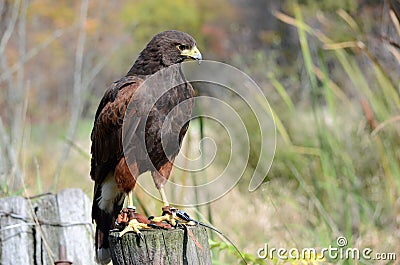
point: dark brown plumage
(109, 170)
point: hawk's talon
(134, 226)
(164, 218)
(174, 217)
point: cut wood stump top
(162, 247)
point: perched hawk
(114, 180)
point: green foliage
(221, 247)
(329, 5)
(349, 165)
(6, 191)
(145, 18)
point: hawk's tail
(104, 222)
(103, 255)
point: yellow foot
(169, 214)
(134, 226)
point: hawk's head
(165, 49)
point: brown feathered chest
(157, 119)
(143, 121)
(166, 125)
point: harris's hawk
(114, 180)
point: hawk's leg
(135, 221)
(130, 199)
(126, 180)
(160, 177)
(163, 196)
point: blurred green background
(330, 71)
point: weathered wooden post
(32, 231)
(162, 247)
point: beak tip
(198, 57)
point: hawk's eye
(183, 47)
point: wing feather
(106, 135)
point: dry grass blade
(302, 26)
(395, 6)
(384, 124)
(341, 45)
(395, 52)
(349, 20)
(395, 21)
(333, 86)
(10, 26)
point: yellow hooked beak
(193, 53)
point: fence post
(16, 235)
(168, 247)
(63, 221)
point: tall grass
(341, 149)
(353, 179)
